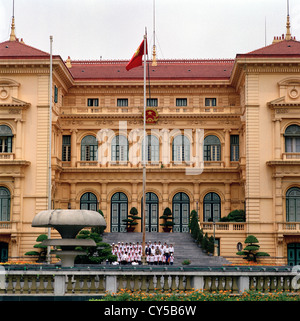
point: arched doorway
(119, 212)
(181, 210)
(151, 224)
(88, 201)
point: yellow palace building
(222, 135)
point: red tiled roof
(16, 49)
(280, 49)
(165, 69)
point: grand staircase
(184, 246)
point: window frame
(89, 152)
(66, 149)
(212, 151)
(181, 102)
(93, 102)
(210, 102)
(122, 102)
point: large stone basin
(68, 223)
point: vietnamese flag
(137, 58)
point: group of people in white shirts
(131, 253)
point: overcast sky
(113, 29)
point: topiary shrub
(42, 253)
(250, 252)
(234, 216)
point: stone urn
(68, 223)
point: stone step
(184, 246)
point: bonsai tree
(131, 220)
(168, 220)
(250, 252)
(42, 253)
(234, 216)
(95, 255)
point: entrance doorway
(151, 213)
(181, 212)
(3, 252)
(119, 212)
(293, 254)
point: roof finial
(12, 36)
(288, 35)
(154, 62)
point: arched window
(89, 148)
(181, 149)
(293, 205)
(212, 207)
(119, 212)
(152, 149)
(6, 136)
(151, 212)
(212, 148)
(292, 139)
(88, 201)
(4, 204)
(119, 149)
(181, 212)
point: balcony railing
(6, 156)
(223, 226)
(288, 227)
(291, 156)
(161, 110)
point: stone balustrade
(93, 282)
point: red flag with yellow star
(137, 58)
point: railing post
(198, 282)
(243, 283)
(111, 283)
(59, 284)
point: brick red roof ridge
(163, 61)
(276, 49)
(17, 52)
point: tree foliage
(42, 249)
(251, 250)
(95, 255)
(234, 216)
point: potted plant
(131, 220)
(168, 220)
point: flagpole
(144, 162)
(50, 146)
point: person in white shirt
(124, 258)
(156, 256)
(151, 259)
(171, 259)
(139, 258)
(171, 249)
(167, 253)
